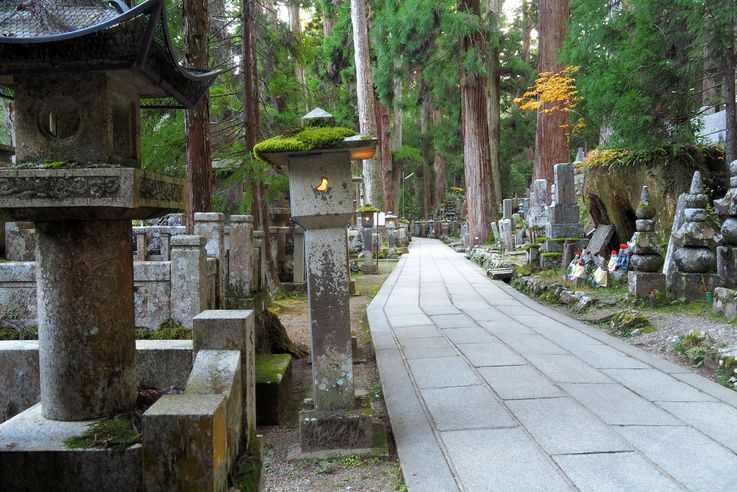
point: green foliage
(409, 157)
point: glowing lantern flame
(323, 186)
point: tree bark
(385, 144)
(372, 181)
(296, 29)
(493, 97)
(398, 114)
(197, 120)
(438, 165)
(476, 160)
(527, 24)
(251, 115)
(551, 141)
(426, 200)
(729, 66)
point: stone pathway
(488, 390)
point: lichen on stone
(303, 140)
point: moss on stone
(303, 140)
(113, 433)
(169, 330)
(270, 368)
(547, 255)
(367, 208)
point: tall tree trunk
(527, 25)
(372, 182)
(493, 98)
(438, 165)
(476, 160)
(197, 120)
(296, 29)
(729, 66)
(385, 144)
(552, 141)
(219, 33)
(251, 115)
(398, 114)
(427, 206)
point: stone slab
(563, 426)
(600, 240)
(466, 407)
(469, 335)
(656, 386)
(453, 321)
(716, 420)
(602, 356)
(687, 455)
(643, 285)
(501, 459)
(33, 457)
(490, 354)
(564, 214)
(611, 472)
(531, 344)
(616, 405)
(442, 372)
(519, 382)
(486, 314)
(408, 332)
(566, 369)
(506, 327)
(403, 320)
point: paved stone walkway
(490, 391)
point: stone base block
(692, 286)
(727, 265)
(725, 302)
(330, 430)
(564, 230)
(33, 457)
(643, 285)
(369, 268)
(564, 214)
(185, 443)
(273, 385)
(550, 260)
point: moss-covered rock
(169, 330)
(112, 433)
(270, 368)
(303, 140)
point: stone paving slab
(488, 390)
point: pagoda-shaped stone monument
(695, 260)
(644, 276)
(78, 70)
(727, 249)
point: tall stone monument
(78, 70)
(563, 212)
(727, 249)
(538, 216)
(695, 260)
(644, 275)
(321, 200)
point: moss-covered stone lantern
(318, 158)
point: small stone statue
(644, 277)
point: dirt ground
(341, 473)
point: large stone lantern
(390, 221)
(321, 197)
(77, 71)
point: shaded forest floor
(342, 473)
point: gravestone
(496, 232)
(538, 216)
(599, 242)
(507, 208)
(564, 211)
(644, 278)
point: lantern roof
(54, 36)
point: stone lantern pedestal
(321, 198)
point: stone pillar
(533, 257)
(86, 323)
(211, 225)
(330, 321)
(240, 258)
(299, 255)
(538, 203)
(508, 231)
(141, 243)
(367, 235)
(644, 277)
(507, 208)
(189, 290)
(259, 262)
(165, 245)
(391, 239)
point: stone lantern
(431, 228)
(390, 221)
(366, 214)
(78, 71)
(322, 203)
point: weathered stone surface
(695, 260)
(33, 457)
(231, 330)
(19, 377)
(563, 230)
(300, 265)
(152, 299)
(644, 284)
(692, 286)
(195, 423)
(218, 372)
(211, 225)
(163, 363)
(507, 208)
(674, 243)
(725, 302)
(565, 187)
(564, 214)
(646, 262)
(617, 471)
(189, 290)
(86, 323)
(20, 241)
(99, 193)
(240, 258)
(18, 290)
(336, 429)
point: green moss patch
(367, 207)
(303, 140)
(114, 433)
(270, 368)
(169, 330)
(630, 323)
(550, 255)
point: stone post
(508, 231)
(507, 208)
(165, 245)
(569, 251)
(644, 277)
(259, 262)
(87, 344)
(240, 259)
(391, 239)
(189, 291)
(299, 255)
(211, 225)
(141, 243)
